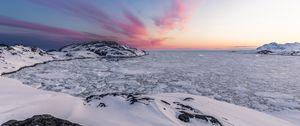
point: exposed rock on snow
(14, 57)
(132, 98)
(185, 117)
(183, 111)
(40, 120)
(280, 49)
(104, 49)
(180, 108)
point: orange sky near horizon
(216, 24)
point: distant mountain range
(280, 49)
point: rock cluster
(40, 120)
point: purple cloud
(173, 17)
(132, 28)
(131, 31)
(89, 12)
(54, 31)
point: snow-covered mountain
(280, 49)
(17, 56)
(14, 57)
(104, 49)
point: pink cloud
(175, 16)
(27, 25)
(146, 43)
(134, 27)
(89, 12)
(132, 30)
(52, 31)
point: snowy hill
(104, 49)
(115, 109)
(280, 49)
(14, 57)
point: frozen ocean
(268, 83)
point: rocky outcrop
(274, 48)
(131, 98)
(40, 120)
(185, 117)
(105, 49)
(181, 109)
(21, 50)
(15, 57)
(264, 52)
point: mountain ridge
(274, 48)
(16, 56)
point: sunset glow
(151, 24)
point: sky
(150, 24)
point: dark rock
(69, 55)
(163, 101)
(214, 121)
(186, 107)
(184, 117)
(210, 119)
(3, 45)
(132, 98)
(100, 52)
(101, 105)
(264, 52)
(26, 50)
(42, 53)
(188, 99)
(295, 53)
(188, 114)
(34, 49)
(105, 49)
(40, 120)
(201, 117)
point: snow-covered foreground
(267, 83)
(19, 101)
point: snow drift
(160, 109)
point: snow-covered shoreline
(15, 57)
(29, 101)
